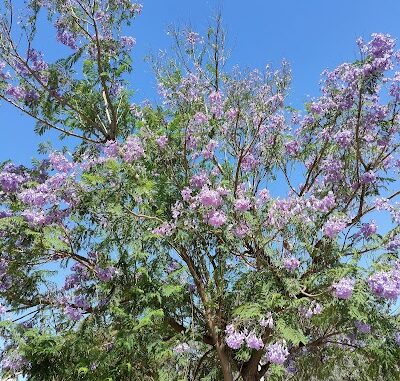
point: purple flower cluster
(105, 274)
(128, 41)
(73, 313)
(277, 353)
(334, 226)
(313, 309)
(344, 138)
(3, 309)
(393, 244)
(254, 342)
(344, 288)
(79, 275)
(368, 177)
(332, 169)
(66, 38)
(292, 148)
(36, 60)
(386, 284)
(362, 327)
(267, 321)
(291, 263)
(216, 218)
(165, 229)
(209, 197)
(16, 92)
(397, 338)
(162, 141)
(13, 362)
(10, 179)
(242, 230)
(242, 204)
(235, 339)
(368, 229)
(60, 163)
(133, 149)
(216, 104)
(325, 204)
(208, 151)
(193, 37)
(111, 149)
(249, 162)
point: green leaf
(294, 335)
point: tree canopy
(218, 235)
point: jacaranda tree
(220, 235)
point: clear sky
(311, 34)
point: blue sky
(311, 34)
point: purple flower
(10, 181)
(334, 226)
(198, 181)
(242, 230)
(332, 169)
(73, 313)
(368, 177)
(254, 342)
(66, 38)
(128, 41)
(291, 263)
(162, 141)
(317, 308)
(34, 217)
(314, 309)
(111, 149)
(242, 204)
(263, 197)
(105, 275)
(16, 92)
(208, 151)
(394, 244)
(215, 99)
(31, 96)
(193, 37)
(267, 321)
(165, 229)
(344, 138)
(133, 149)
(13, 362)
(368, 229)
(234, 339)
(216, 219)
(200, 118)
(362, 327)
(385, 284)
(186, 194)
(60, 162)
(381, 45)
(3, 309)
(33, 197)
(209, 197)
(172, 266)
(249, 162)
(277, 353)
(344, 288)
(326, 203)
(81, 302)
(292, 148)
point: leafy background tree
(156, 249)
